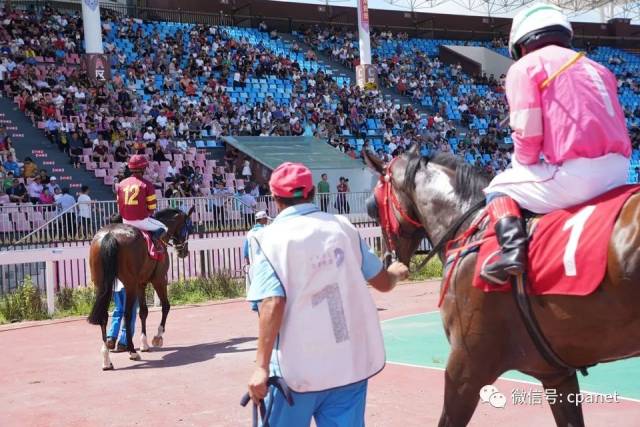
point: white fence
(42, 225)
(54, 268)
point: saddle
(155, 251)
(567, 248)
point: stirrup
(498, 279)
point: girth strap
(523, 303)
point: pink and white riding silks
(576, 123)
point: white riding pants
(147, 224)
(543, 188)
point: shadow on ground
(180, 356)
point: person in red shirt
(137, 200)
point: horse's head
(392, 205)
(418, 197)
(180, 226)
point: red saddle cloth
(156, 253)
(568, 248)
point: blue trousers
(339, 407)
(119, 298)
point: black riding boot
(512, 237)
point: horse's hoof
(108, 368)
(134, 356)
(157, 341)
(145, 349)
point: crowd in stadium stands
(413, 72)
(174, 85)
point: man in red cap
(319, 328)
(137, 200)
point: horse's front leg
(131, 297)
(160, 287)
(566, 388)
(144, 312)
(464, 378)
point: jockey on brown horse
(137, 200)
(564, 107)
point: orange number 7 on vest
(331, 293)
(131, 194)
(576, 224)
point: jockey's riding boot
(157, 236)
(512, 237)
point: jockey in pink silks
(569, 133)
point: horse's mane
(167, 214)
(469, 180)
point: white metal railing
(29, 224)
(54, 268)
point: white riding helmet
(538, 26)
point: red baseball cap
(291, 180)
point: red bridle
(387, 202)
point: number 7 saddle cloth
(567, 248)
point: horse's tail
(109, 259)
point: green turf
(420, 340)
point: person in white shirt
(247, 206)
(53, 186)
(172, 171)
(35, 189)
(161, 120)
(84, 210)
(149, 136)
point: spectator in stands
(53, 184)
(17, 192)
(51, 127)
(198, 178)
(158, 154)
(46, 197)
(248, 205)
(246, 170)
(342, 205)
(44, 177)
(187, 171)
(7, 180)
(324, 189)
(10, 165)
(84, 211)
(121, 153)
(4, 197)
(29, 168)
(149, 136)
(6, 147)
(172, 190)
(217, 202)
(100, 152)
(75, 149)
(172, 171)
(35, 189)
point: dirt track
(50, 376)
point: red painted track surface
(50, 376)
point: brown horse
(485, 330)
(120, 251)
